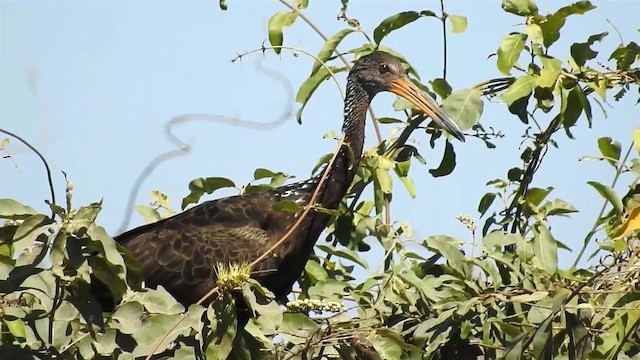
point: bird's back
(181, 252)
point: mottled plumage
(181, 252)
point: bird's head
(381, 71)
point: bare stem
(46, 165)
(587, 239)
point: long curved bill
(405, 88)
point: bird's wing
(181, 252)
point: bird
(181, 252)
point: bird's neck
(346, 163)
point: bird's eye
(384, 68)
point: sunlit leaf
(394, 22)
(149, 214)
(551, 69)
(328, 48)
(458, 23)
(530, 298)
(465, 107)
(310, 85)
(610, 149)
(609, 194)
(509, 51)
(11, 209)
(201, 186)
(345, 254)
(545, 249)
(520, 7)
(277, 23)
(519, 89)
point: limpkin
(181, 252)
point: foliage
(442, 302)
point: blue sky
(92, 83)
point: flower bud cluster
(468, 221)
(232, 276)
(317, 306)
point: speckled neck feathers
(346, 163)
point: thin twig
(444, 38)
(592, 232)
(46, 165)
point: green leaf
(545, 249)
(520, 7)
(485, 203)
(310, 85)
(581, 52)
(328, 289)
(530, 298)
(297, 328)
(515, 348)
(579, 338)
(386, 346)
(448, 247)
(128, 317)
(534, 31)
(465, 107)
(409, 185)
(301, 4)
(345, 254)
(287, 206)
(328, 48)
(32, 228)
(394, 22)
(11, 209)
(625, 56)
(441, 87)
(458, 23)
(509, 51)
(383, 180)
(609, 194)
(577, 8)
(499, 239)
(315, 271)
(636, 139)
(536, 195)
(447, 164)
(552, 24)
(223, 5)
(542, 342)
(149, 214)
(277, 23)
(200, 186)
(224, 326)
(17, 328)
(551, 69)
(610, 149)
(158, 301)
(519, 89)
(557, 207)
